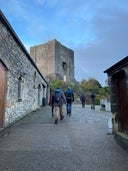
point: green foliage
(97, 101)
(86, 86)
(90, 85)
(104, 92)
(60, 83)
(56, 83)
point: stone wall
(26, 87)
(105, 104)
(44, 57)
(54, 60)
(64, 55)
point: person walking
(82, 99)
(70, 99)
(51, 103)
(58, 99)
(92, 101)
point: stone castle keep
(54, 61)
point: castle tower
(54, 60)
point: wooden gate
(2, 92)
(122, 101)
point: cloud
(41, 2)
(95, 30)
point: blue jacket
(69, 96)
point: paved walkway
(78, 143)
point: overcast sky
(96, 30)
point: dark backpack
(57, 96)
(92, 96)
(83, 98)
(69, 95)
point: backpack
(83, 98)
(57, 96)
(92, 96)
(69, 95)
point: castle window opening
(20, 85)
(64, 65)
(34, 79)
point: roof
(118, 65)
(6, 23)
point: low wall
(122, 140)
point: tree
(104, 92)
(56, 83)
(90, 85)
(86, 86)
(60, 83)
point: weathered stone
(54, 60)
(20, 69)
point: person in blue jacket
(70, 98)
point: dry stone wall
(25, 85)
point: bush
(97, 101)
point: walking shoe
(61, 117)
(56, 121)
(68, 112)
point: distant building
(22, 86)
(118, 82)
(54, 60)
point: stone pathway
(77, 143)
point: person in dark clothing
(58, 99)
(92, 101)
(83, 99)
(70, 98)
(51, 103)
